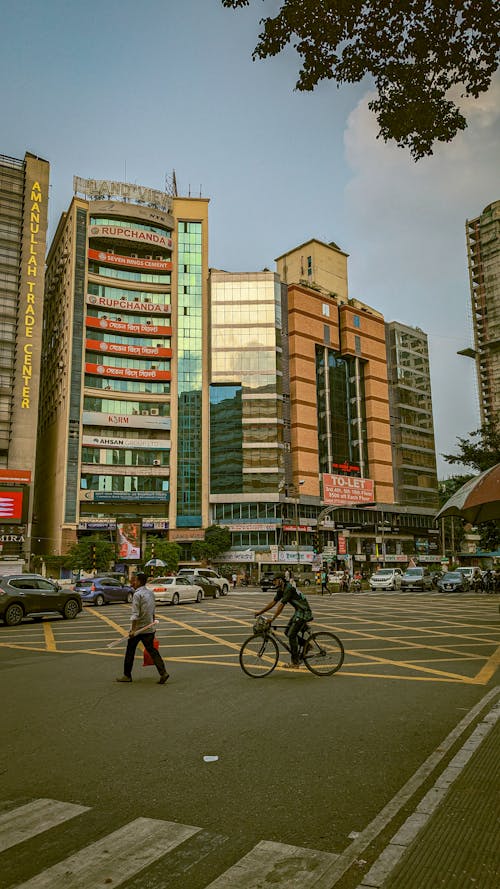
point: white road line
(27, 821)
(275, 864)
(116, 858)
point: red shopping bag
(147, 660)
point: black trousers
(147, 640)
(294, 626)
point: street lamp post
(296, 503)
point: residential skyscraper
(483, 251)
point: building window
(357, 321)
(309, 266)
(357, 345)
(325, 308)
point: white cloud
(406, 224)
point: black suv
(266, 581)
(31, 595)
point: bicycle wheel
(324, 654)
(258, 656)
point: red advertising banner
(346, 490)
(158, 265)
(127, 373)
(15, 477)
(341, 545)
(128, 349)
(11, 506)
(124, 327)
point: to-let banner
(347, 490)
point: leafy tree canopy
(89, 553)
(415, 51)
(480, 450)
(217, 540)
(168, 551)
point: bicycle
(322, 652)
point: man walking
(143, 615)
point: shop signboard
(347, 490)
(128, 349)
(15, 477)
(140, 420)
(153, 444)
(158, 265)
(127, 305)
(110, 496)
(128, 541)
(12, 505)
(249, 526)
(126, 373)
(126, 327)
(129, 233)
(341, 545)
(243, 556)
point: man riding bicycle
(286, 594)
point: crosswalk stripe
(33, 818)
(115, 858)
(275, 864)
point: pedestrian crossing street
(130, 850)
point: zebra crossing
(129, 851)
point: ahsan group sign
(347, 490)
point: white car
(386, 579)
(211, 575)
(172, 590)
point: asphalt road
(301, 760)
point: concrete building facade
(483, 252)
(24, 192)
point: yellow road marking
(198, 632)
(50, 642)
(489, 668)
(107, 620)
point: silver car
(386, 579)
(172, 590)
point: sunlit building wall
(24, 193)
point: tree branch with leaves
(415, 52)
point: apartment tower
(483, 251)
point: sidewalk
(452, 840)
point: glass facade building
(247, 379)
(189, 373)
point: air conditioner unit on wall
(156, 463)
(145, 413)
(154, 412)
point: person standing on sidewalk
(143, 615)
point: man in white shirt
(143, 615)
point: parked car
(417, 579)
(211, 574)
(210, 589)
(386, 579)
(172, 590)
(31, 595)
(453, 582)
(103, 590)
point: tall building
(483, 250)
(338, 374)
(24, 190)
(123, 381)
(412, 425)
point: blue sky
(124, 90)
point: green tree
(89, 553)
(217, 540)
(415, 51)
(168, 551)
(480, 449)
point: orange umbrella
(478, 500)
